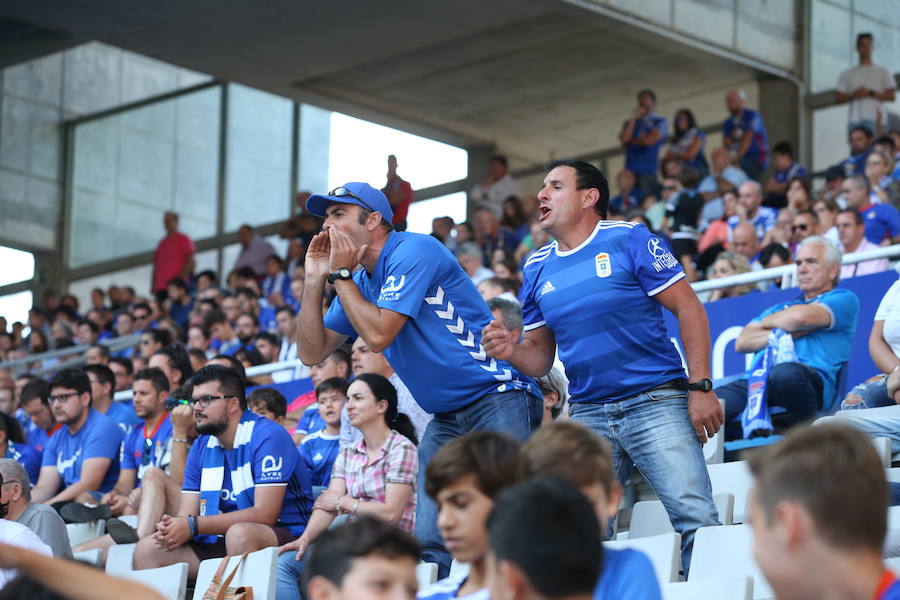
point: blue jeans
(653, 432)
(873, 394)
(516, 413)
(289, 572)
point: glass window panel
(15, 307)
(137, 277)
(18, 265)
(422, 213)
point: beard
(212, 428)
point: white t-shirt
(872, 77)
(16, 534)
(889, 312)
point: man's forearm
(177, 462)
(530, 359)
(72, 492)
(310, 330)
(219, 524)
(693, 326)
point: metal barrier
(113, 345)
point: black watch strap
(703, 385)
(342, 273)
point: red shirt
(405, 192)
(169, 258)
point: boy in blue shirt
(244, 489)
(572, 452)
(83, 456)
(464, 477)
(320, 448)
(268, 403)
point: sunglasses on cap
(342, 192)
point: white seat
(732, 478)
(663, 550)
(714, 448)
(426, 574)
(258, 571)
(170, 581)
(84, 532)
(120, 559)
(649, 517)
(92, 557)
(892, 474)
(893, 564)
(731, 588)
(458, 568)
(883, 447)
(129, 520)
(727, 549)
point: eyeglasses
(205, 401)
(339, 192)
(800, 227)
(61, 398)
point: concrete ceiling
(538, 78)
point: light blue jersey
(99, 437)
(441, 343)
(598, 299)
(319, 450)
(446, 589)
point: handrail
(788, 272)
(113, 343)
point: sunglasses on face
(800, 227)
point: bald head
(721, 158)
(744, 240)
(734, 100)
(750, 197)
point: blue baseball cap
(354, 192)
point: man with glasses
(40, 518)
(413, 302)
(245, 487)
(36, 404)
(805, 224)
(83, 456)
(882, 220)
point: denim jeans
(873, 394)
(653, 432)
(289, 571)
(516, 413)
(873, 426)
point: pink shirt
(868, 267)
(169, 258)
(398, 462)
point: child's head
(573, 452)
(331, 395)
(268, 403)
(463, 478)
(782, 156)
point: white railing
(788, 273)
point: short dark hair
(73, 379)
(161, 336)
(251, 316)
(209, 274)
(689, 177)
(229, 380)
(861, 36)
(10, 426)
(793, 470)
(268, 336)
(500, 158)
(178, 282)
(807, 211)
(235, 364)
(774, 249)
(285, 308)
(335, 550)
(863, 129)
(272, 399)
(245, 292)
(651, 93)
(125, 363)
(783, 148)
(90, 325)
(103, 374)
(888, 141)
(549, 530)
(332, 384)
(492, 458)
(141, 305)
(214, 317)
(178, 359)
(340, 356)
(587, 176)
(857, 216)
(155, 376)
(251, 355)
(103, 348)
(36, 388)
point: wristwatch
(342, 273)
(704, 385)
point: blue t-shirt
(99, 437)
(446, 589)
(855, 164)
(642, 159)
(138, 455)
(310, 421)
(882, 222)
(748, 120)
(418, 277)
(319, 450)
(273, 461)
(598, 301)
(627, 574)
(828, 348)
(892, 593)
(24, 422)
(794, 170)
(267, 321)
(763, 221)
(28, 457)
(38, 438)
(124, 416)
(624, 204)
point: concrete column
(479, 164)
(780, 105)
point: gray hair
(555, 381)
(511, 311)
(861, 182)
(469, 249)
(12, 470)
(832, 254)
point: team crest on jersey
(603, 265)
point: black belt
(678, 384)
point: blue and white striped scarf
(213, 472)
(756, 420)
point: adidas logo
(548, 287)
(318, 457)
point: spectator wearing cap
(254, 251)
(399, 194)
(744, 135)
(643, 134)
(498, 186)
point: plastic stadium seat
(893, 564)
(883, 447)
(664, 551)
(129, 520)
(426, 574)
(92, 557)
(649, 517)
(727, 549)
(120, 559)
(170, 581)
(732, 478)
(714, 448)
(258, 571)
(732, 588)
(893, 474)
(83, 532)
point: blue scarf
(756, 420)
(213, 472)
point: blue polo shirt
(123, 414)
(748, 120)
(139, 454)
(882, 222)
(643, 159)
(418, 277)
(794, 170)
(825, 349)
(598, 299)
(28, 457)
(855, 164)
(99, 437)
(319, 450)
